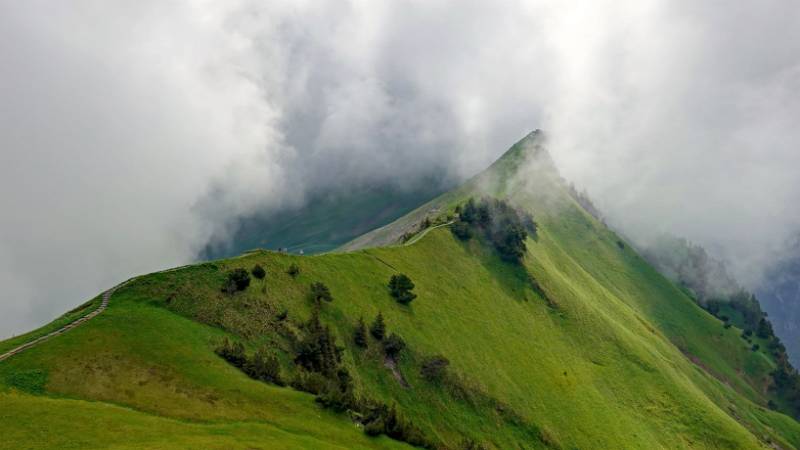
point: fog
(131, 133)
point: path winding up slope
(64, 329)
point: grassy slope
(59, 322)
(602, 366)
(162, 365)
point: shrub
(393, 345)
(333, 398)
(378, 328)
(30, 381)
(264, 367)
(311, 382)
(232, 352)
(381, 419)
(238, 280)
(400, 287)
(755, 347)
(461, 230)
(293, 270)
(434, 368)
(258, 272)
(360, 334)
(320, 292)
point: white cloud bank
(131, 132)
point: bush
(381, 419)
(333, 398)
(320, 292)
(434, 368)
(232, 352)
(378, 328)
(311, 382)
(238, 280)
(258, 272)
(393, 345)
(755, 347)
(293, 270)
(264, 367)
(360, 334)
(461, 230)
(400, 287)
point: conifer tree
(378, 327)
(360, 334)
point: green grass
(35, 422)
(615, 356)
(161, 365)
(64, 319)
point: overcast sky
(130, 132)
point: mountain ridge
(565, 348)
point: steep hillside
(581, 344)
(779, 293)
(327, 220)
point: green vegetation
(400, 286)
(329, 218)
(710, 285)
(501, 224)
(378, 327)
(238, 280)
(434, 368)
(64, 319)
(258, 272)
(360, 334)
(393, 345)
(577, 344)
(319, 293)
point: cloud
(130, 134)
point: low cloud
(130, 135)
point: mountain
(327, 220)
(779, 293)
(543, 333)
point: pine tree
(360, 334)
(378, 327)
(320, 292)
(400, 287)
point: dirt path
(425, 231)
(65, 328)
